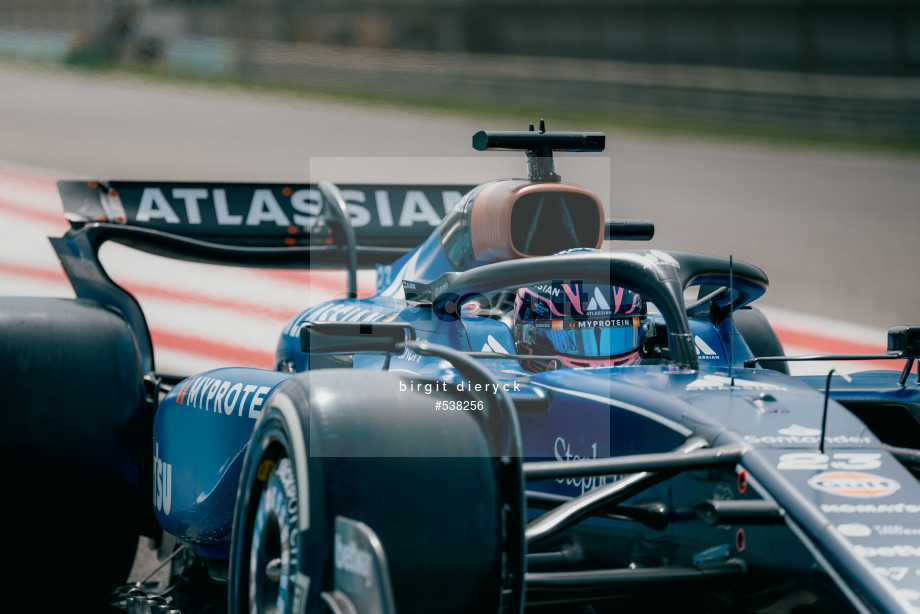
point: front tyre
(273, 555)
(362, 446)
(278, 557)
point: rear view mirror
(351, 337)
(904, 339)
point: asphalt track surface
(836, 232)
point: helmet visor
(589, 338)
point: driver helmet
(580, 324)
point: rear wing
(269, 225)
(263, 214)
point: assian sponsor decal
(162, 482)
(854, 484)
(493, 345)
(222, 396)
(286, 207)
(598, 303)
(704, 350)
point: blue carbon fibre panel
(200, 434)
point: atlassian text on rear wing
(263, 214)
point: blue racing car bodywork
(407, 454)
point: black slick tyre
(73, 444)
(424, 481)
(760, 337)
(278, 524)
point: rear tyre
(760, 337)
(72, 443)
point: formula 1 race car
(519, 418)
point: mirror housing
(904, 339)
(352, 337)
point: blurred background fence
(846, 68)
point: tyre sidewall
(280, 435)
(760, 337)
(73, 442)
